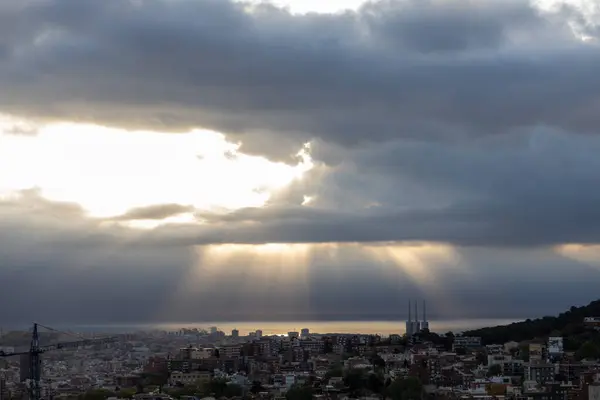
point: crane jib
(64, 345)
(36, 350)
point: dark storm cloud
(55, 263)
(441, 26)
(403, 100)
(392, 69)
(534, 188)
(60, 267)
(475, 224)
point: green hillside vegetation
(568, 325)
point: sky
(213, 160)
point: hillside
(568, 324)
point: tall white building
(555, 347)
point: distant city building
(539, 372)
(192, 377)
(193, 353)
(594, 392)
(555, 346)
(592, 322)
(466, 342)
(395, 339)
(230, 351)
(536, 352)
(480, 370)
(213, 329)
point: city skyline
(205, 160)
(555, 355)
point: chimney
(416, 313)
(409, 319)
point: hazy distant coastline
(273, 328)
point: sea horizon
(381, 327)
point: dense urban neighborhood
(554, 358)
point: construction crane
(35, 351)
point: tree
(570, 324)
(461, 351)
(355, 379)
(189, 390)
(375, 383)
(126, 393)
(448, 340)
(98, 394)
(494, 370)
(589, 350)
(524, 352)
(327, 346)
(405, 389)
(335, 371)
(232, 390)
(481, 358)
(378, 362)
(158, 378)
(216, 387)
(257, 387)
(298, 392)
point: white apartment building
(499, 359)
(466, 342)
(188, 377)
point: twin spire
(416, 326)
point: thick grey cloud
(439, 26)
(55, 263)
(430, 121)
(60, 267)
(535, 188)
(392, 69)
